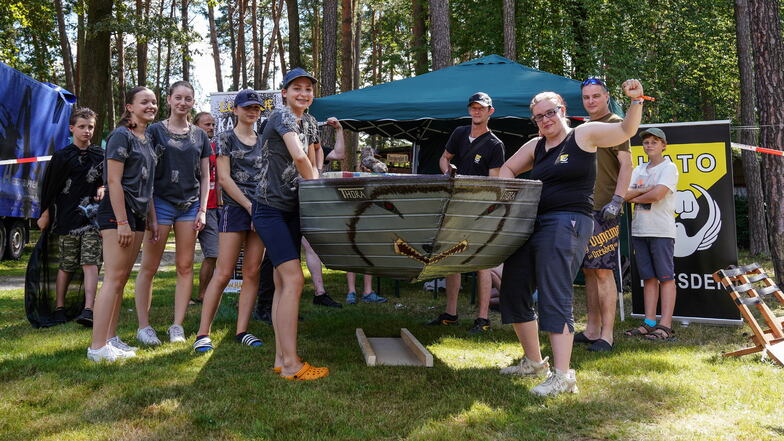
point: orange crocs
(308, 372)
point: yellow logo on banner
(699, 163)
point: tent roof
(415, 107)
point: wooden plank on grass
(776, 353)
(367, 349)
(416, 347)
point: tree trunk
(235, 70)
(281, 50)
(329, 48)
(120, 49)
(315, 31)
(346, 46)
(242, 5)
(110, 104)
(65, 47)
(439, 34)
(80, 36)
(373, 46)
(255, 43)
(420, 42)
(768, 55)
(186, 55)
(215, 47)
(98, 58)
(295, 59)
(159, 51)
(357, 49)
(510, 40)
(141, 46)
(758, 230)
(167, 75)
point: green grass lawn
(641, 391)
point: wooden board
(776, 353)
(424, 356)
(367, 349)
(403, 351)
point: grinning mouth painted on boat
(400, 245)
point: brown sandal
(636, 331)
(661, 333)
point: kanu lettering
(352, 193)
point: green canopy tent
(431, 105)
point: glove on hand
(613, 208)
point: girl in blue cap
(239, 172)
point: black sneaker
(263, 315)
(444, 319)
(326, 300)
(480, 325)
(58, 318)
(85, 318)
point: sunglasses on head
(595, 81)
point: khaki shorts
(76, 251)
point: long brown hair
(125, 119)
(187, 85)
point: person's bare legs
(484, 283)
(367, 287)
(205, 275)
(61, 286)
(185, 243)
(151, 260)
(668, 294)
(251, 262)
(601, 294)
(452, 290)
(562, 348)
(351, 282)
(117, 269)
(313, 262)
(650, 292)
(229, 247)
(285, 309)
(528, 336)
(90, 284)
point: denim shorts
(167, 213)
(653, 256)
(107, 221)
(280, 232)
(547, 262)
(233, 219)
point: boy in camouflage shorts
(72, 185)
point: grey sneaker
(119, 344)
(557, 382)
(148, 336)
(176, 334)
(528, 368)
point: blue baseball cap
(295, 73)
(247, 97)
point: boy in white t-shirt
(652, 190)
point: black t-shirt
(471, 160)
(71, 181)
(138, 158)
(178, 170)
(568, 174)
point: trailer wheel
(16, 238)
(3, 238)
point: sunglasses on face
(549, 114)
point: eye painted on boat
(389, 206)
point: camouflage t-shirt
(245, 163)
(178, 170)
(279, 176)
(138, 158)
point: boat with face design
(416, 227)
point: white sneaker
(176, 334)
(528, 368)
(106, 353)
(119, 344)
(122, 354)
(148, 336)
(557, 382)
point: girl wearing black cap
(291, 142)
(239, 172)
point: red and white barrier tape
(757, 149)
(25, 160)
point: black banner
(704, 220)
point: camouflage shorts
(76, 251)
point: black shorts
(107, 220)
(603, 245)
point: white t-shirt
(656, 219)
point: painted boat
(416, 227)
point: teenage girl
(182, 182)
(239, 171)
(129, 168)
(289, 154)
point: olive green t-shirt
(607, 167)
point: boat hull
(416, 227)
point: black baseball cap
(295, 73)
(481, 98)
(246, 97)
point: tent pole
(414, 158)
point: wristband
(122, 222)
(638, 101)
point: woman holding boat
(564, 160)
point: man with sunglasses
(476, 151)
(613, 172)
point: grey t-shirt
(178, 170)
(245, 163)
(138, 158)
(279, 176)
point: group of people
(163, 176)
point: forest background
(701, 59)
